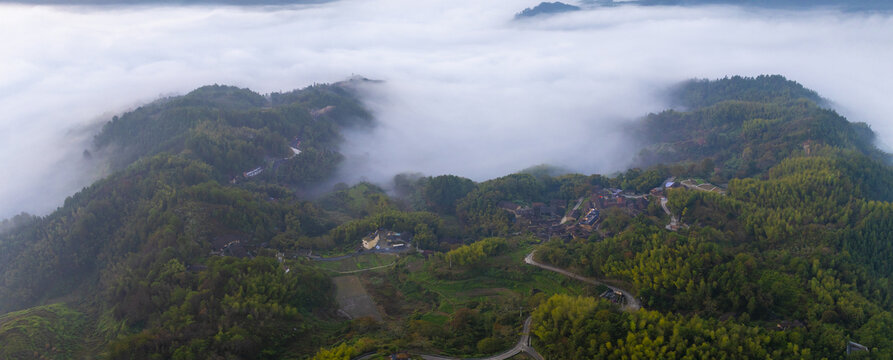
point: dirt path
(565, 219)
(406, 249)
(674, 223)
(367, 269)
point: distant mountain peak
(546, 8)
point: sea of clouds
(466, 89)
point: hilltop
(744, 126)
(210, 172)
(545, 8)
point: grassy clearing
(438, 319)
(504, 277)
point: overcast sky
(468, 91)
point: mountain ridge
(180, 252)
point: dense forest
(130, 252)
(802, 235)
(203, 242)
(745, 126)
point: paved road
(632, 303)
(523, 345)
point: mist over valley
(362, 180)
(466, 90)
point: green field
(506, 276)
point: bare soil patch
(353, 299)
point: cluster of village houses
(545, 220)
(385, 239)
(230, 245)
(552, 219)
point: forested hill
(127, 258)
(197, 246)
(545, 8)
(744, 126)
(698, 93)
(790, 260)
(236, 130)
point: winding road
(523, 346)
(631, 303)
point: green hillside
(201, 245)
(803, 247)
(236, 130)
(747, 125)
(43, 332)
(134, 247)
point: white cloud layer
(467, 92)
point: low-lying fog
(468, 91)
